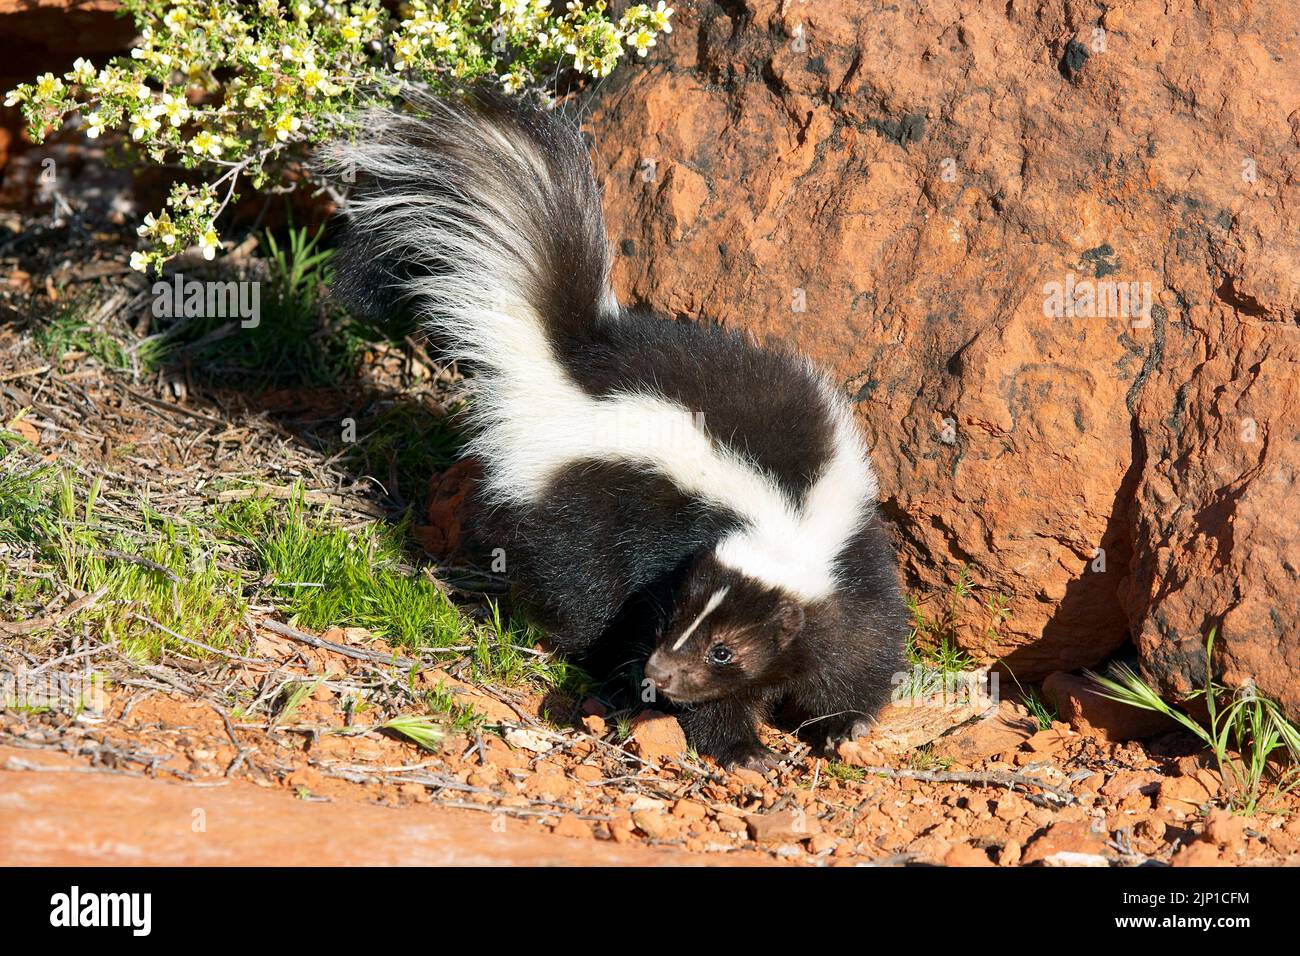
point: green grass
(1256, 748)
(171, 578)
(324, 575)
(460, 717)
(161, 585)
(153, 570)
(68, 330)
(404, 440)
(933, 646)
(422, 729)
(1032, 698)
(843, 772)
(300, 337)
(294, 694)
(924, 758)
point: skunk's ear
(789, 618)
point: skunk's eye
(719, 653)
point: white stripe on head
(709, 608)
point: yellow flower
(175, 108)
(205, 143)
(286, 125)
(48, 86)
(642, 39)
(313, 78)
(209, 243)
(160, 229)
(144, 124)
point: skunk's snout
(657, 673)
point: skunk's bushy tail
(481, 218)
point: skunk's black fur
(629, 461)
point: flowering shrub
(231, 87)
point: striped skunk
(621, 449)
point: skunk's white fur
(532, 418)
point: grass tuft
(1247, 734)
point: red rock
(594, 725)
(782, 826)
(1150, 828)
(823, 842)
(499, 753)
(1066, 844)
(749, 778)
(1002, 731)
(690, 810)
(1078, 701)
(1197, 853)
(571, 826)
(657, 736)
(836, 207)
(553, 786)
(1010, 853)
(1225, 829)
(731, 824)
(1186, 795)
(138, 821)
(1125, 783)
(450, 506)
(963, 854)
(1048, 741)
(656, 824)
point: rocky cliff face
(1052, 252)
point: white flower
(176, 109)
(139, 261)
(144, 124)
(286, 125)
(209, 243)
(95, 124)
(48, 86)
(205, 143)
(83, 71)
(642, 39)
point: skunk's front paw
(750, 757)
(846, 728)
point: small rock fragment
(657, 736)
(782, 826)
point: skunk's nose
(657, 674)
